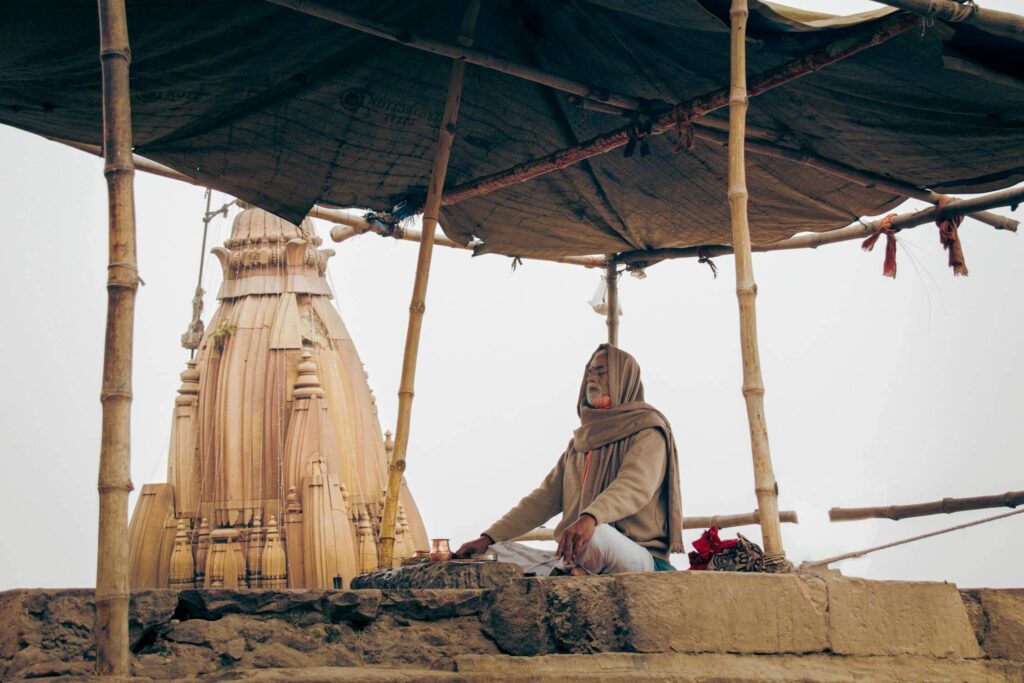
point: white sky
(878, 391)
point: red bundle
(708, 545)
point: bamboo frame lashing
(765, 486)
(1003, 23)
(846, 172)
(612, 316)
(858, 230)
(445, 137)
(686, 111)
(112, 590)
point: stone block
(723, 612)
(515, 617)
(898, 618)
(149, 613)
(586, 615)
(997, 616)
(457, 574)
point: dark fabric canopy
(284, 110)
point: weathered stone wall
(684, 626)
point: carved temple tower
(277, 465)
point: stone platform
(685, 626)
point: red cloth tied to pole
(706, 546)
(884, 228)
(950, 238)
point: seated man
(616, 485)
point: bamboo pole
(765, 485)
(727, 521)
(1010, 499)
(1003, 23)
(349, 225)
(855, 175)
(112, 590)
(543, 533)
(612, 276)
(861, 553)
(687, 111)
(858, 230)
(460, 52)
(445, 137)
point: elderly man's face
(597, 379)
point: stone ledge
(753, 618)
(663, 612)
(898, 618)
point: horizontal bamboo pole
(543, 533)
(855, 175)
(1003, 23)
(333, 14)
(141, 163)
(351, 224)
(687, 111)
(1010, 499)
(858, 230)
(727, 521)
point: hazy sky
(878, 391)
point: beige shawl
(609, 433)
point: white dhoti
(608, 552)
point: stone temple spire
(274, 420)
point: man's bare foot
(578, 571)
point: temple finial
(307, 385)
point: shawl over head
(609, 432)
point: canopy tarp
(285, 110)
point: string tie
(684, 133)
(884, 228)
(950, 238)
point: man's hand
(475, 547)
(575, 539)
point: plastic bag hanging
(599, 302)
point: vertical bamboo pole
(112, 591)
(612, 276)
(746, 292)
(445, 137)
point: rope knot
(684, 133)
(639, 130)
(950, 237)
(884, 228)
